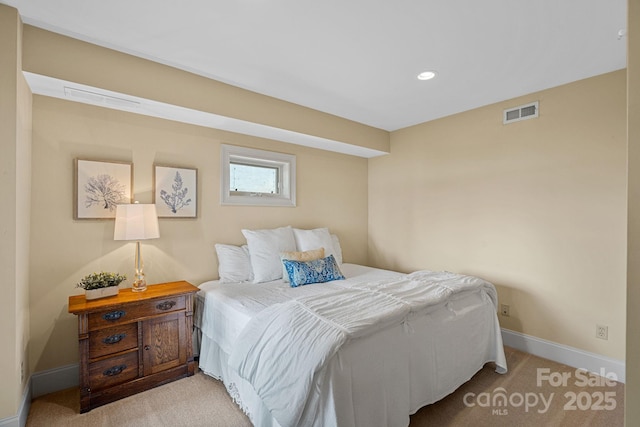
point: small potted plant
(99, 285)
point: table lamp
(137, 222)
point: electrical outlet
(22, 372)
(602, 332)
(504, 310)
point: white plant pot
(109, 291)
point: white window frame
(285, 163)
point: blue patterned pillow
(316, 271)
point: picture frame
(99, 186)
(175, 191)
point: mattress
(374, 380)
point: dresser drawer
(134, 311)
(113, 340)
(112, 371)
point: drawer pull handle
(114, 339)
(116, 370)
(113, 315)
(167, 305)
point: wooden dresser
(133, 341)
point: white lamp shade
(136, 222)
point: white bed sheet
(376, 380)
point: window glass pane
(253, 179)
(249, 172)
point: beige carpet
(203, 401)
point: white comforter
(427, 350)
(283, 349)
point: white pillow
(264, 250)
(317, 238)
(336, 247)
(234, 264)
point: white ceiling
(359, 59)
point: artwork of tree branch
(100, 186)
(177, 189)
(104, 190)
(176, 200)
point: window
(253, 178)
(257, 177)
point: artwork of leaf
(178, 198)
(175, 192)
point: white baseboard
(56, 379)
(564, 354)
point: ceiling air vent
(523, 112)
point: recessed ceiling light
(426, 75)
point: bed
(369, 349)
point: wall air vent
(99, 98)
(523, 112)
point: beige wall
(23, 227)
(15, 160)
(58, 56)
(632, 389)
(537, 207)
(63, 250)
(331, 191)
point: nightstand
(133, 341)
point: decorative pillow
(234, 264)
(299, 256)
(316, 271)
(316, 238)
(264, 250)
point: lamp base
(140, 281)
(139, 286)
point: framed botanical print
(100, 186)
(175, 192)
